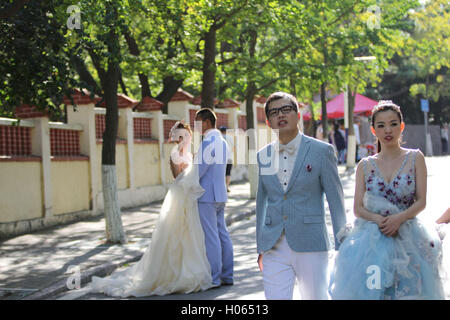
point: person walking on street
(295, 172)
(339, 141)
(444, 138)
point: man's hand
(260, 263)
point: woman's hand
(379, 220)
(390, 225)
(183, 166)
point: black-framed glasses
(284, 110)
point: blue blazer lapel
(305, 144)
(272, 177)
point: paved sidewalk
(42, 264)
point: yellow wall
(20, 191)
(70, 186)
(146, 164)
(121, 166)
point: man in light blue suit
(212, 161)
(295, 172)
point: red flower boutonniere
(308, 168)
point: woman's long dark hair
(385, 105)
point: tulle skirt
(370, 265)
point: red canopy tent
(363, 105)
(306, 116)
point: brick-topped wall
(26, 111)
(261, 115)
(99, 126)
(64, 142)
(142, 128)
(222, 120)
(54, 159)
(192, 117)
(15, 141)
(242, 122)
(168, 124)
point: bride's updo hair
(176, 132)
(183, 125)
(385, 105)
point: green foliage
(34, 68)
(262, 46)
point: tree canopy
(226, 49)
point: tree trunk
(351, 139)
(351, 108)
(145, 87)
(85, 75)
(249, 97)
(323, 101)
(252, 142)
(170, 87)
(114, 228)
(310, 129)
(134, 50)
(209, 69)
(251, 86)
(122, 84)
(323, 93)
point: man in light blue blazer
(212, 161)
(295, 172)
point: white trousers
(282, 266)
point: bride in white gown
(175, 261)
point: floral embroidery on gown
(370, 265)
(175, 261)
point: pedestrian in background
(357, 138)
(339, 143)
(444, 138)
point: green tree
(211, 16)
(35, 68)
(160, 49)
(429, 50)
(99, 35)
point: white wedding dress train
(175, 261)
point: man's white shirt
(287, 156)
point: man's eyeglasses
(284, 109)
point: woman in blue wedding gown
(389, 254)
(175, 261)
